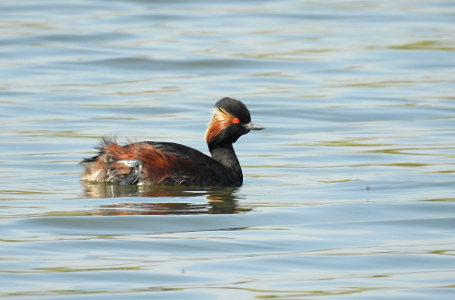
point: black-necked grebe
(166, 163)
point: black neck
(225, 155)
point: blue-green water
(348, 193)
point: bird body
(165, 163)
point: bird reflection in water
(220, 200)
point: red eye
(235, 121)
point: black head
(235, 108)
(231, 120)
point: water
(348, 193)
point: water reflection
(218, 200)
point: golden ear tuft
(221, 119)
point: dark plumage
(167, 163)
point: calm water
(348, 194)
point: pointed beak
(251, 126)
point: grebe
(164, 163)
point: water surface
(348, 193)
